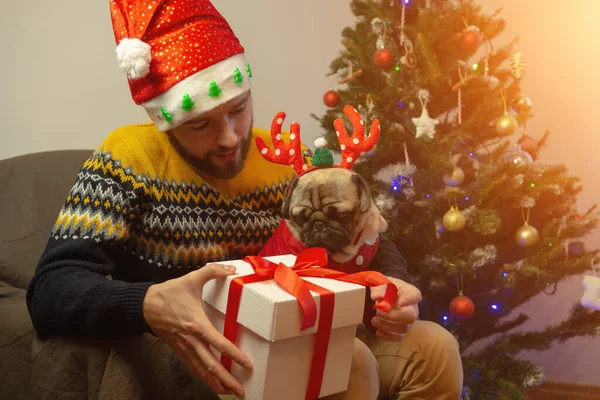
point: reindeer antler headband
(291, 154)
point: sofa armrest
(16, 337)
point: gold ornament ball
(456, 178)
(523, 105)
(527, 235)
(454, 220)
(506, 125)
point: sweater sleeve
(70, 293)
(390, 262)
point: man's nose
(227, 137)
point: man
(156, 202)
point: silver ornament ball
(456, 178)
(519, 158)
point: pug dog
(328, 205)
(332, 208)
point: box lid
(274, 314)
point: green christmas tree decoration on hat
(214, 90)
(322, 156)
(248, 70)
(187, 103)
(166, 114)
(237, 75)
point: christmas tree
(483, 224)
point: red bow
(309, 263)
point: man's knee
(434, 337)
(363, 359)
(363, 383)
(442, 360)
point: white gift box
(269, 322)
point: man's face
(217, 142)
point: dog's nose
(318, 226)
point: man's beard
(205, 166)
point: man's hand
(393, 324)
(174, 311)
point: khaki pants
(425, 365)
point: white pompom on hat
(134, 57)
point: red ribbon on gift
(309, 263)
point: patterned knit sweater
(139, 213)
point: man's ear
(285, 211)
(364, 194)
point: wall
(558, 40)
(61, 88)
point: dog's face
(332, 208)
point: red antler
(355, 146)
(286, 154)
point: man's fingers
(212, 337)
(194, 365)
(389, 326)
(408, 296)
(214, 271)
(214, 367)
(404, 315)
(377, 292)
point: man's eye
(238, 110)
(199, 127)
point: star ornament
(425, 124)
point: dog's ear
(285, 211)
(364, 194)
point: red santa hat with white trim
(181, 57)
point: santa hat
(181, 57)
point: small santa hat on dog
(181, 57)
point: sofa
(33, 188)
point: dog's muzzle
(322, 235)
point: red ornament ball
(384, 58)
(462, 308)
(528, 144)
(470, 40)
(331, 98)
(523, 105)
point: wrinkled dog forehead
(333, 181)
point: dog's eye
(300, 218)
(334, 213)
